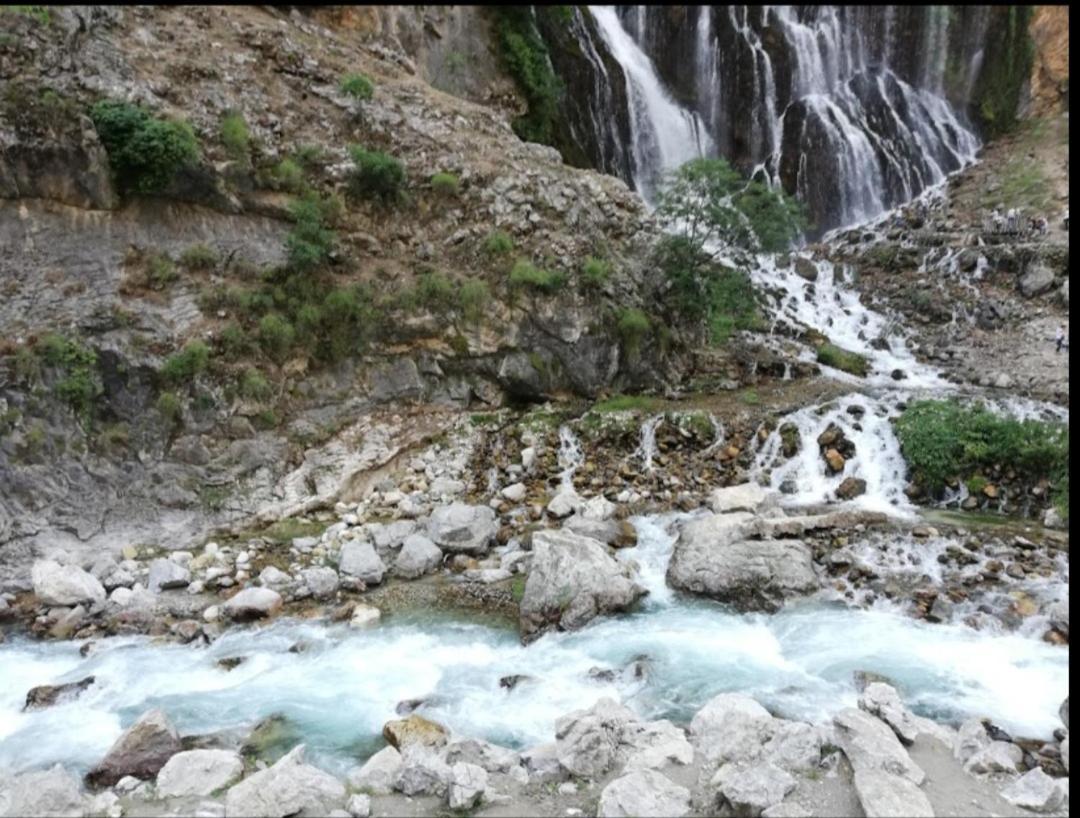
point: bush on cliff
(145, 152)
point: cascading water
(646, 449)
(570, 458)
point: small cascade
(719, 436)
(646, 449)
(570, 457)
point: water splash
(646, 449)
(570, 457)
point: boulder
(970, 740)
(643, 794)
(731, 727)
(359, 805)
(288, 787)
(377, 773)
(141, 751)
(515, 492)
(563, 504)
(1065, 753)
(198, 773)
(805, 269)
(322, 581)
(42, 696)
(56, 584)
(794, 746)
(253, 603)
(542, 763)
(422, 772)
(850, 488)
(364, 616)
(1036, 791)
(490, 757)
(712, 558)
(746, 497)
(749, 788)
(1036, 280)
(359, 559)
(271, 575)
(468, 783)
(870, 744)
(165, 574)
(587, 741)
(654, 745)
(882, 700)
(996, 757)
(1063, 712)
(572, 580)
(463, 529)
(402, 733)
(616, 533)
(890, 796)
(787, 809)
(418, 556)
(597, 508)
(53, 792)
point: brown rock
(991, 491)
(44, 696)
(401, 733)
(851, 487)
(140, 751)
(835, 460)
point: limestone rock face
(288, 787)
(572, 580)
(141, 751)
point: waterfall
(570, 457)
(646, 449)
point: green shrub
(445, 184)
(842, 359)
(309, 320)
(79, 387)
(941, 439)
(160, 272)
(145, 153)
(633, 325)
(357, 86)
(350, 319)
(234, 341)
(184, 365)
(39, 13)
(627, 403)
(276, 336)
(169, 407)
(288, 176)
(595, 271)
(976, 484)
(526, 58)
(434, 291)
(309, 243)
(235, 136)
(254, 386)
(199, 257)
(376, 175)
(525, 274)
(498, 243)
(309, 155)
(473, 298)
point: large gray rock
(378, 773)
(165, 574)
(141, 751)
(1063, 712)
(359, 559)
(794, 745)
(970, 740)
(587, 741)
(253, 603)
(198, 773)
(56, 584)
(746, 497)
(1036, 280)
(653, 745)
(468, 783)
(422, 772)
(1036, 791)
(882, 700)
(491, 757)
(870, 744)
(711, 558)
(573, 579)
(286, 788)
(463, 529)
(884, 795)
(749, 788)
(644, 793)
(996, 757)
(418, 556)
(731, 727)
(45, 792)
(322, 581)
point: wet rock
(850, 488)
(806, 269)
(56, 584)
(1036, 791)
(230, 662)
(573, 579)
(644, 793)
(165, 574)
(378, 772)
(271, 739)
(1063, 712)
(198, 772)
(418, 556)
(42, 696)
(461, 528)
(869, 744)
(141, 751)
(253, 603)
(890, 796)
(364, 616)
(402, 733)
(835, 461)
(360, 560)
(730, 727)
(512, 681)
(750, 788)
(468, 784)
(288, 787)
(45, 792)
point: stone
(515, 492)
(805, 269)
(746, 497)
(401, 733)
(463, 529)
(573, 579)
(446, 487)
(712, 558)
(542, 763)
(731, 727)
(359, 805)
(970, 740)
(141, 751)
(1063, 711)
(890, 796)
(359, 559)
(1036, 280)
(198, 772)
(288, 787)
(597, 508)
(53, 792)
(870, 744)
(56, 584)
(418, 556)
(253, 603)
(490, 757)
(165, 574)
(587, 741)
(1065, 753)
(321, 581)
(793, 746)
(468, 783)
(422, 772)
(653, 745)
(996, 757)
(643, 794)
(850, 488)
(528, 457)
(364, 616)
(563, 504)
(271, 575)
(750, 788)
(883, 701)
(835, 460)
(44, 696)
(378, 773)
(1036, 791)
(787, 809)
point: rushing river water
(345, 685)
